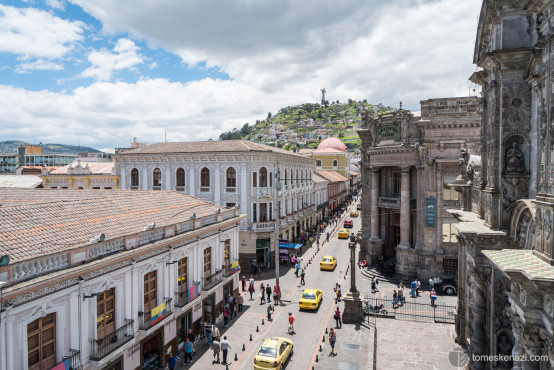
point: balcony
(181, 298)
(146, 321)
(210, 281)
(389, 202)
(227, 271)
(100, 348)
(263, 226)
(451, 204)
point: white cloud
(30, 32)
(39, 64)
(104, 62)
(56, 4)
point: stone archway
(522, 225)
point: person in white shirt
(225, 346)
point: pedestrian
(332, 340)
(268, 292)
(262, 293)
(225, 317)
(232, 310)
(216, 348)
(296, 268)
(339, 290)
(225, 346)
(209, 332)
(327, 235)
(243, 280)
(251, 279)
(413, 288)
(259, 272)
(394, 299)
(302, 274)
(240, 301)
(269, 311)
(418, 286)
(202, 329)
(373, 286)
(215, 334)
(433, 297)
(191, 336)
(291, 324)
(172, 361)
(188, 347)
(277, 294)
(401, 298)
(251, 290)
(431, 283)
(337, 317)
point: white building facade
(232, 173)
(121, 299)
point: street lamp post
(353, 301)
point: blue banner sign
(430, 212)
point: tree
(349, 101)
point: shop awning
(290, 245)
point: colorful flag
(158, 313)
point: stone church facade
(407, 161)
(506, 247)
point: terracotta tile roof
(96, 168)
(216, 146)
(331, 176)
(20, 181)
(319, 178)
(54, 220)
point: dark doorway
(392, 233)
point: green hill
(310, 122)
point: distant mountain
(305, 125)
(10, 147)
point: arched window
(134, 178)
(335, 163)
(297, 176)
(286, 180)
(180, 179)
(205, 177)
(231, 178)
(263, 177)
(318, 163)
(157, 178)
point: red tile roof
(36, 221)
(331, 176)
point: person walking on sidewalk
(269, 311)
(291, 324)
(259, 272)
(225, 317)
(209, 332)
(277, 294)
(243, 281)
(225, 346)
(417, 287)
(332, 340)
(296, 268)
(172, 361)
(302, 274)
(251, 290)
(413, 288)
(268, 292)
(262, 293)
(338, 320)
(188, 347)
(433, 297)
(216, 348)
(215, 334)
(240, 302)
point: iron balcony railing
(102, 347)
(212, 280)
(71, 361)
(146, 320)
(181, 298)
(227, 271)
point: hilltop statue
(323, 91)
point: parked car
(447, 286)
(348, 223)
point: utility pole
(276, 209)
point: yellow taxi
(311, 298)
(343, 234)
(354, 213)
(273, 353)
(328, 263)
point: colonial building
(82, 175)
(321, 196)
(506, 248)
(337, 188)
(407, 161)
(330, 155)
(32, 156)
(232, 173)
(109, 279)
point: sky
(99, 73)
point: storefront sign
(158, 313)
(388, 131)
(430, 212)
(197, 306)
(283, 254)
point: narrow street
(309, 326)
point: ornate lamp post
(353, 301)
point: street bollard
(226, 366)
(243, 347)
(326, 331)
(316, 358)
(320, 348)
(263, 322)
(323, 340)
(257, 330)
(251, 337)
(236, 357)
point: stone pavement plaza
(400, 344)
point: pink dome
(332, 143)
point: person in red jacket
(338, 318)
(291, 323)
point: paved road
(309, 326)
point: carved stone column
(375, 203)
(405, 209)
(478, 336)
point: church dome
(332, 143)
